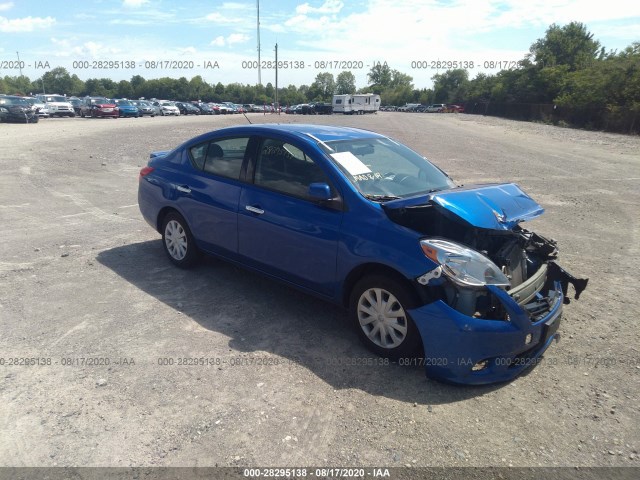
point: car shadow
(259, 314)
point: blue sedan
(431, 273)
(127, 108)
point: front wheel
(378, 309)
(178, 241)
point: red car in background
(454, 109)
(98, 107)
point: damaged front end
(493, 301)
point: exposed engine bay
(525, 258)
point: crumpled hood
(492, 206)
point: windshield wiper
(380, 198)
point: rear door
(209, 197)
(281, 230)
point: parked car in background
(58, 105)
(223, 108)
(98, 107)
(187, 108)
(14, 109)
(76, 103)
(320, 108)
(204, 108)
(39, 106)
(167, 108)
(192, 109)
(126, 108)
(145, 108)
(436, 108)
(298, 109)
(231, 107)
(454, 109)
(427, 269)
(409, 107)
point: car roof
(324, 133)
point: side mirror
(320, 191)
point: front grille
(541, 305)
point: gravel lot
(83, 276)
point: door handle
(183, 188)
(257, 210)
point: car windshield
(55, 98)
(124, 102)
(382, 169)
(100, 101)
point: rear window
(220, 157)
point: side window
(285, 168)
(198, 155)
(220, 157)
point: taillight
(145, 171)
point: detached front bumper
(475, 351)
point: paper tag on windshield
(351, 163)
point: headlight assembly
(464, 266)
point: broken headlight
(464, 266)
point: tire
(178, 242)
(378, 310)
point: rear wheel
(178, 241)
(378, 309)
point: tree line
(567, 76)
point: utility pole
(258, 26)
(277, 106)
(19, 64)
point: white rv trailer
(358, 103)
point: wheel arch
(164, 211)
(373, 268)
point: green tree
(138, 84)
(570, 45)
(58, 81)
(322, 88)
(199, 89)
(20, 85)
(218, 92)
(345, 83)
(125, 90)
(379, 76)
(399, 79)
(451, 86)
(269, 91)
(291, 96)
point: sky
(218, 40)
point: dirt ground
(86, 289)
